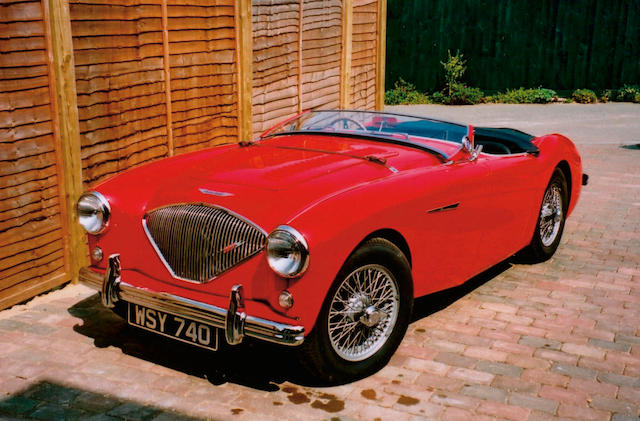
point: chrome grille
(197, 242)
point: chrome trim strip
(255, 327)
(215, 193)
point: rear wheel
(551, 218)
(364, 316)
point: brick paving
(519, 342)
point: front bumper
(234, 321)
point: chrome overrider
(234, 321)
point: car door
(514, 198)
(451, 230)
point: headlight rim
(304, 247)
(105, 209)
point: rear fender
(558, 150)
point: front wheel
(551, 218)
(364, 316)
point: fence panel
(32, 257)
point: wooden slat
(32, 287)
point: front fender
(335, 227)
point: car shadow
(432, 303)
(254, 364)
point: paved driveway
(519, 342)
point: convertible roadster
(320, 233)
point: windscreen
(370, 123)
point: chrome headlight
(287, 252)
(93, 212)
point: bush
(584, 96)
(454, 68)
(628, 93)
(525, 96)
(404, 92)
(607, 95)
(439, 98)
(464, 95)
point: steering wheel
(346, 121)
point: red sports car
(320, 233)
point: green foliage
(584, 96)
(454, 68)
(404, 92)
(464, 95)
(628, 93)
(608, 95)
(439, 98)
(524, 96)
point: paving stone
(624, 417)
(456, 360)
(499, 410)
(581, 413)
(133, 412)
(50, 412)
(484, 392)
(499, 368)
(17, 405)
(618, 346)
(573, 371)
(533, 402)
(619, 380)
(538, 342)
(627, 339)
(614, 405)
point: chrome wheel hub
(363, 312)
(551, 215)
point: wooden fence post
(347, 44)
(380, 53)
(67, 128)
(244, 59)
(300, 28)
(167, 76)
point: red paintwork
(336, 201)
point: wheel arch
(394, 237)
(566, 170)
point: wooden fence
(557, 44)
(89, 88)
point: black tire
(542, 245)
(322, 353)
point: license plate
(175, 327)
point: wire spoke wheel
(551, 215)
(363, 312)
